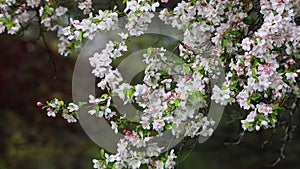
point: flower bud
(40, 104)
(23, 5)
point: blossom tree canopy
(255, 42)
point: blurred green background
(29, 139)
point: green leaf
(112, 104)
(248, 20)
(102, 153)
(176, 102)
(70, 46)
(140, 154)
(231, 87)
(200, 95)
(46, 7)
(65, 111)
(235, 32)
(255, 97)
(256, 62)
(224, 87)
(61, 103)
(129, 92)
(97, 108)
(9, 25)
(268, 91)
(149, 50)
(223, 43)
(248, 101)
(200, 68)
(110, 165)
(115, 166)
(81, 103)
(263, 118)
(276, 106)
(254, 73)
(192, 97)
(80, 36)
(75, 114)
(104, 95)
(168, 126)
(247, 125)
(116, 44)
(186, 68)
(274, 115)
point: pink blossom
(39, 104)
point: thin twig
(190, 152)
(289, 129)
(179, 152)
(241, 136)
(269, 140)
(51, 58)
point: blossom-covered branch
(255, 42)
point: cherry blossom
(259, 53)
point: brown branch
(51, 57)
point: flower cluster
(68, 111)
(266, 70)
(127, 158)
(71, 36)
(257, 43)
(164, 108)
(15, 16)
(139, 15)
(86, 6)
(50, 17)
(262, 62)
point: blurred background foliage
(29, 139)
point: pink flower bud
(23, 5)
(285, 57)
(291, 61)
(40, 104)
(286, 66)
(152, 162)
(166, 1)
